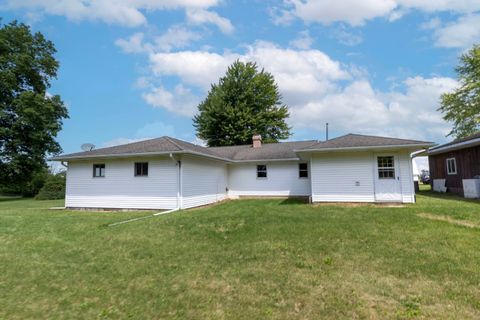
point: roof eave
(455, 146)
(367, 148)
(132, 155)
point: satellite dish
(87, 147)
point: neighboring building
(454, 165)
(167, 173)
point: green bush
(54, 188)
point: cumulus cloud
(133, 44)
(356, 13)
(180, 101)
(176, 37)
(122, 12)
(317, 89)
(304, 40)
(202, 16)
(461, 33)
(409, 113)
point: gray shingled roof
(357, 141)
(162, 145)
(268, 151)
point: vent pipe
(326, 131)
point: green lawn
(248, 259)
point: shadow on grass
(294, 201)
(446, 196)
(13, 198)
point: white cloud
(134, 44)
(317, 89)
(181, 101)
(304, 40)
(346, 38)
(202, 16)
(176, 37)
(353, 12)
(459, 34)
(431, 24)
(356, 13)
(123, 12)
(359, 108)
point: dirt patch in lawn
(463, 223)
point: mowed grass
(246, 259)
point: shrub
(54, 188)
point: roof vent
(257, 141)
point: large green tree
(244, 102)
(462, 107)
(30, 117)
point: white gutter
(454, 146)
(179, 181)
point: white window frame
(387, 168)
(266, 171)
(454, 161)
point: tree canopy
(30, 117)
(462, 107)
(244, 102)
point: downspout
(179, 182)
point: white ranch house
(167, 173)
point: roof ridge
(280, 142)
(373, 136)
(173, 142)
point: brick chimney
(257, 141)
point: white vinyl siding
(204, 181)
(343, 177)
(282, 180)
(350, 177)
(119, 188)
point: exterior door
(387, 178)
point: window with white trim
(386, 167)
(451, 166)
(99, 170)
(261, 171)
(303, 170)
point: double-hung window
(99, 170)
(141, 169)
(261, 171)
(451, 166)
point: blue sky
(131, 70)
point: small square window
(141, 169)
(261, 171)
(99, 170)
(451, 166)
(303, 170)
